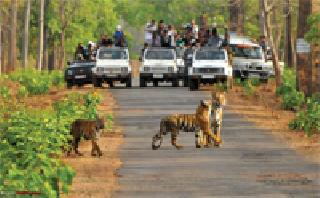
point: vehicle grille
(209, 70)
(81, 71)
(159, 69)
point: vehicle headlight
(69, 72)
(146, 69)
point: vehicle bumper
(208, 78)
(260, 74)
(160, 77)
(76, 79)
(115, 77)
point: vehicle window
(210, 55)
(112, 54)
(159, 55)
(246, 52)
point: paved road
(251, 163)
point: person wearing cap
(119, 36)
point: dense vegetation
(33, 139)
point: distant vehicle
(79, 73)
(210, 65)
(159, 64)
(269, 63)
(248, 60)
(112, 64)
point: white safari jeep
(210, 65)
(159, 64)
(112, 65)
(248, 60)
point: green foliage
(4, 92)
(37, 82)
(308, 119)
(313, 36)
(291, 98)
(22, 92)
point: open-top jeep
(210, 65)
(248, 60)
(112, 64)
(79, 73)
(159, 64)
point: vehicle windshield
(179, 52)
(246, 52)
(159, 55)
(112, 54)
(210, 55)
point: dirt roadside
(264, 109)
(96, 177)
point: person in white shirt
(149, 30)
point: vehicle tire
(175, 83)
(142, 82)
(69, 84)
(110, 83)
(193, 84)
(185, 82)
(97, 82)
(155, 83)
(128, 83)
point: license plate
(157, 75)
(80, 76)
(208, 76)
(112, 75)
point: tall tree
(40, 48)
(63, 31)
(237, 16)
(304, 69)
(26, 33)
(13, 36)
(0, 43)
(288, 51)
(268, 6)
(262, 24)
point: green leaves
(313, 36)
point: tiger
(89, 129)
(208, 115)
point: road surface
(250, 163)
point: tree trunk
(315, 49)
(288, 51)
(46, 37)
(26, 33)
(304, 67)
(62, 35)
(236, 10)
(262, 24)
(13, 37)
(40, 47)
(275, 60)
(0, 44)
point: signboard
(302, 46)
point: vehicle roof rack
(113, 47)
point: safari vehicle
(210, 65)
(79, 73)
(248, 60)
(159, 64)
(112, 64)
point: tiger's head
(218, 98)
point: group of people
(89, 52)
(162, 35)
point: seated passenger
(214, 40)
(165, 39)
(79, 54)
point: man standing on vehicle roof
(119, 37)
(149, 30)
(214, 40)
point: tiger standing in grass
(208, 115)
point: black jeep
(79, 73)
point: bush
(288, 82)
(309, 119)
(248, 87)
(37, 82)
(293, 100)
